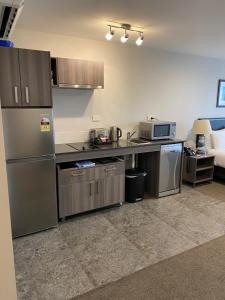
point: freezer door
(32, 195)
(28, 132)
(170, 167)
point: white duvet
(219, 157)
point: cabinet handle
(77, 174)
(96, 184)
(90, 189)
(16, 94)
(111, 169)
(27, 94)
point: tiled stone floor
(88, 251)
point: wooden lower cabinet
(114, 184)
(88, 189)
(75, 198)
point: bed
(219, 170)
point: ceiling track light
(109, 34)
(140, 39)
(125, 36)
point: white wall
(138, 82)
(7, 273)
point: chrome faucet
(130, 134)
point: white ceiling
(192, 26)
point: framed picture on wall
(221, 93)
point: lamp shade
(201, 127)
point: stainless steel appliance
(157, 130)
(170, 169)
(100, 136)
(29, 145)
(115, 133)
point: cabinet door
(10, 92)
(98, 74)
(114, 184)
(76, 198)
(99, 193)
(80, 73)
(114, 190)
(71, 71)
(35, 73)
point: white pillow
(218, 139)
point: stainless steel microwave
(157, 130)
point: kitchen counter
(104, 184)
(81, 151)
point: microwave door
(161, 131)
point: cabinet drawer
(70, 176)
(114, 169)
(110, 169)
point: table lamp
(201, 128)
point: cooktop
(83, 146)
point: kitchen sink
(139, 141)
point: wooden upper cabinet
(10, 90)
(74, 73)
(25, 78)
(35, 73)
(98, 74)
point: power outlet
(96, 118)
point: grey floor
(94, 249)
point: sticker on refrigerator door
(45, 125)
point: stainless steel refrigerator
(29, 145)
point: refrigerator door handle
(27, 94)
(16, 94)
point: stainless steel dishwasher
(170, 169)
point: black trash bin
(134, 184)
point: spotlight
(124, 37)
(109, 34)
(140, 40)
(126, 28)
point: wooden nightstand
(198, 168)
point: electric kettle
(115, 133)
